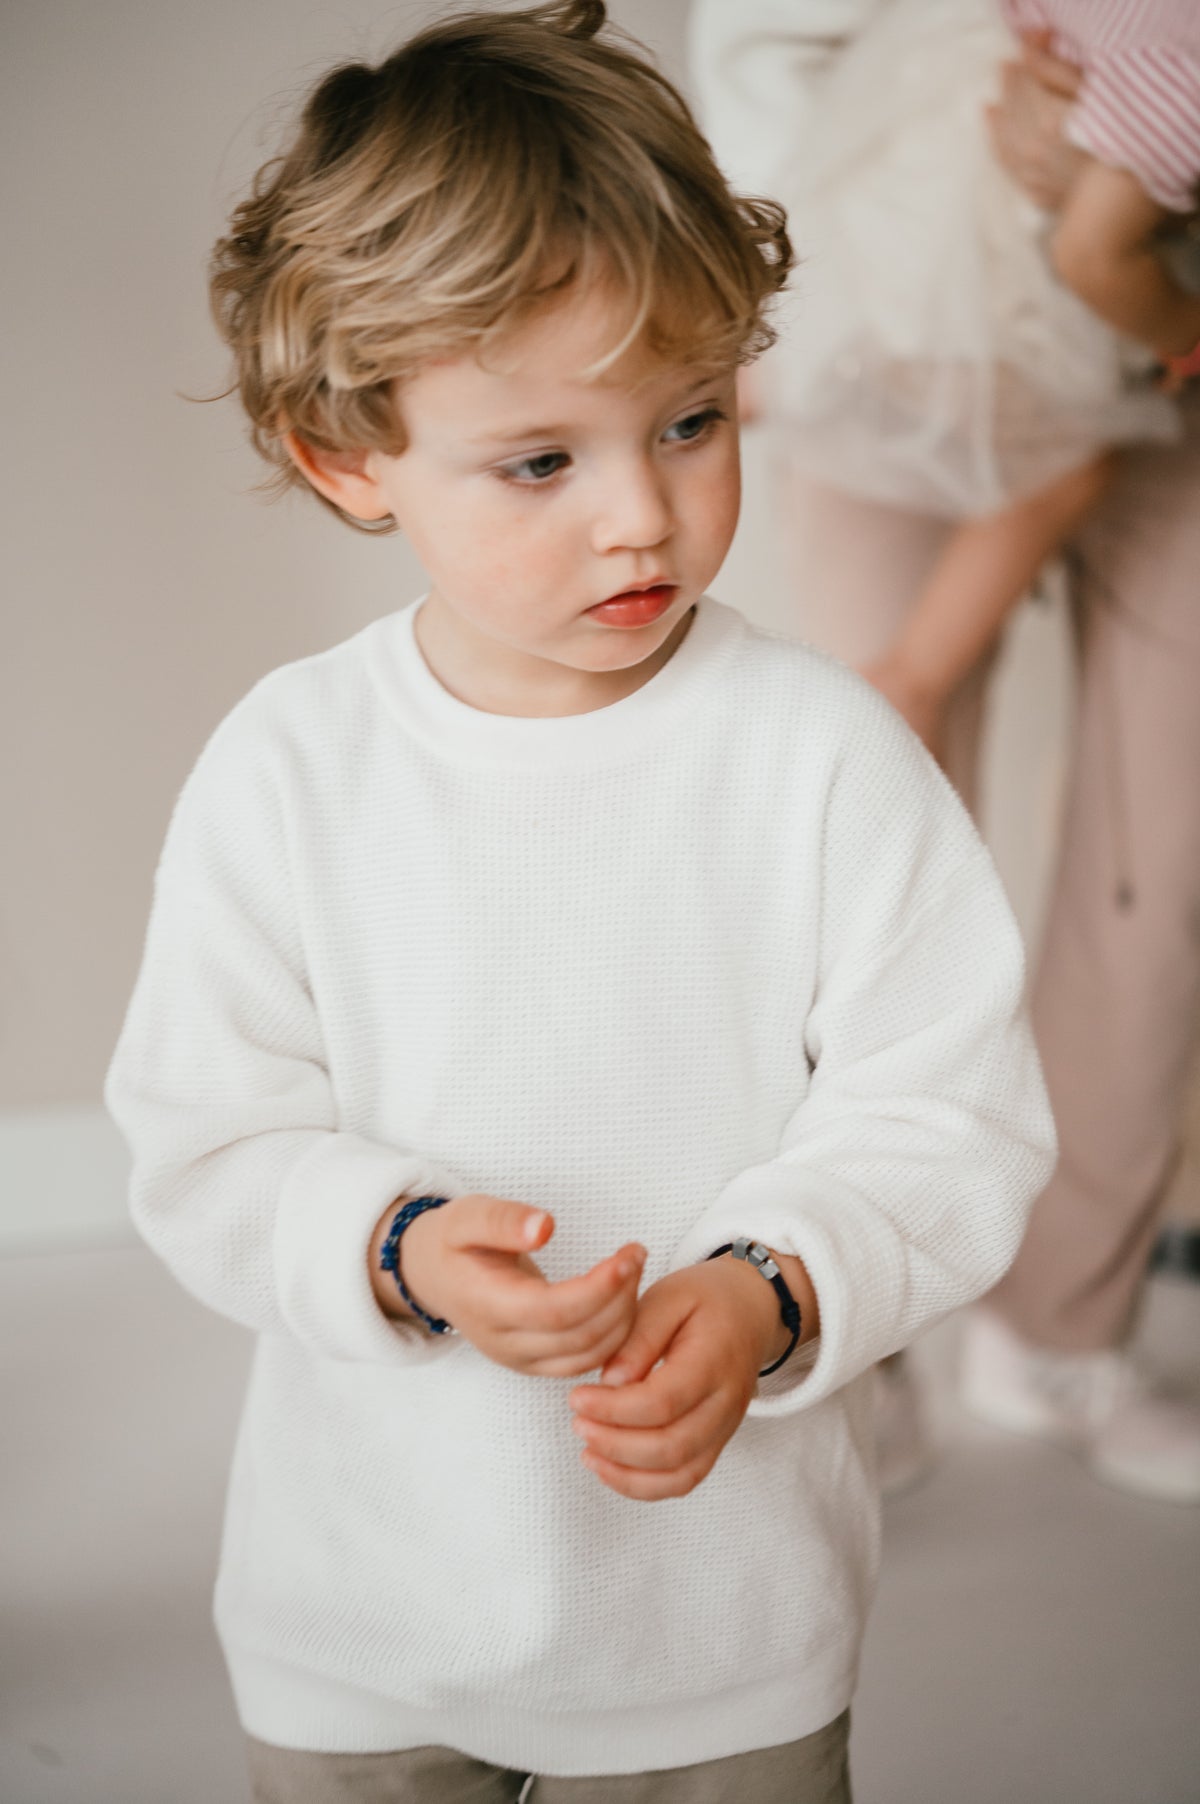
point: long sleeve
(756, 70)
(1139, 109)
(242, 1181)
(905, 1176)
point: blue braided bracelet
(389, 1257)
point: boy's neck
(498, 679)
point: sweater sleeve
(904, 1178)
(243, 1182)
(1139, 109)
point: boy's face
(568, 525)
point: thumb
(500, 1226)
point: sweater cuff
(331, 1203)
(834, 1232)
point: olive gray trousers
(813, 1770)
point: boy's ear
(343, 477)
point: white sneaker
(903, 1450)
(1097, 1404)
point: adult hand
(1026, 125)
(656, 1423)
(470, 1263)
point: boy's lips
(635, 607)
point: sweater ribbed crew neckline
(612, 734)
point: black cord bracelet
(760, 1257)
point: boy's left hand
(655, 1430)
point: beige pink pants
(1116, 997)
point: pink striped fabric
(1139, 107)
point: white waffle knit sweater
(724, 957)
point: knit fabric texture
(725, 957)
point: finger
(1050, 71)
(668, 1449)
(670, 1391)
(573, 1302)
(522, 1303)
(493, 1223)
(588, 1346)
(559, 1365)
(647, 1487)
(660, 1316)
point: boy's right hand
(470, 1263)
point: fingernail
(613, 1375)
(533, 1228)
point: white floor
(1036, 1638)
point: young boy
(562, 964)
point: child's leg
(984, 569)
(856, 569)
(814, 1770)
(414, 1776)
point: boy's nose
(633, 513)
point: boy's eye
(536, 469)
(694, 425)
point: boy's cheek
(715, 513)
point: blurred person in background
(960, 361)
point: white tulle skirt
(930, 358)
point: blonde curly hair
(427, 205)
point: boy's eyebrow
(516, 435)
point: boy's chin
(623, 647)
